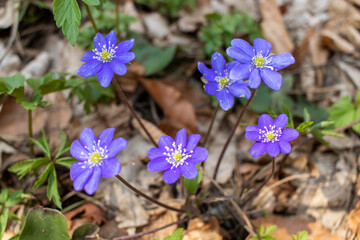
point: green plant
(264, 233)
(176, 235)
(168, 7)
(301, 236)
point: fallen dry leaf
(153, 130)
(354, 220)
(199, 230)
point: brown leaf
(154, 131)
(197, 229)
(354, 220)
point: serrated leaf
(22, 168)
(43, 144)
(176, 235)
(9, 84)
(4, 195)
(270, 229)
(64, 146)
(14, 198)
(66, 161)
(52, 189)
(3, 221)
(342, 112)
(92, 2)
(67, 15)
(45, 104)
(43, 176)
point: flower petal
(88, 138)
(281, 61)
(110, 167)
(125, 46)
(281, 121)
(240, 71)
(82, 179)
(273, 149)
(257, 149)
(252, 128)
(125, 57)
(289, 134)
(99, 42)
(111, 39)
(230, 65)
(192, 141)
(244, 46)
(180, 138)
(106, 137)
(105, 75)
(239, 89)
(285, 147)
(90, 68)
(166, 141)
(88, 56)
(155, 153)
(271, 78)
(218, 62)
(211, 88)
(158, 164)
(265, 120)
(252, 135)
(254, 78)
(93, 182)
(78, 151)
(118, 67)
(207, 73)
(238, 55)
(225, 99)
(262, 46)
(199, 155)
(116, 146)
(171, 175)
(188, 170)
(76, 169)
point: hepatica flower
(221, 84)
(96, 158)
(107, 58)
(177, 157)
(270, 136)
(257, 63)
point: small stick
(30, 133)
(91, 18)
(211, 125)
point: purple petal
(218, 62)
(285, 147)
(78, 151)
(125, 46)
(118, 67)
(106, 136)
(158, 164)
(252, 128)
(192, 141)
(99, 42)
(280, 121)
(207, 73)
(93, 181)
(155, 153)
(76, 169)
(82, 179)
(225, 99)
(166, 141)
(244, 46)
(273, 149)
(241, 71)
(271, 78)
(171, 175)
(188, 170)
(110, 167)
(239, 55)
(281, 61)
(88, 138)
(257, 149)
(105, 75)
(181, 138)
(289, 134)
(252, 135)
(211, 88)
(88, 56)
(254, 78)
(111, 39)
(125, 57)
(265, 120)
(90, 68)
(199, 155)
(230, 65)
(239, 89)
(262, 46)
(115, 147)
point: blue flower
(221, 84)
(107, 58)
(177, 157)
(270, 136)
(96, 158)
(257, 64)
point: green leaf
(66, 161)
(15, 198)
(67, 15)
(23, 167)
(306, 115)
(44, 223)
(15, 237)
(87, 231)
(192, 184)
(4, 195)
(303, 128)
(302, 235)
(43, 176)
(270, 229)
(43, 144)
(287, 111)
(3, 221)
(30, 104)
(9, 84)
(176, 235)
(342, 112)
(64, 146)
(92, 2)
(52, 189)
(270, 112)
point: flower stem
(148, 197)
(232, 134)
(123, 97)
(262, 184)
(211, 125)
(91, 18)
(31, 144)
(117, 20)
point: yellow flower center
(224, 81)
(105, 55)
(259, 61)
(270, 135)
(95, 157)
(177, 156)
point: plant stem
(123, 97)
(31, 144)
(91, 18)
(211, 125)
(117, 20)
(148, 197)
(262, 184)
(232, 134)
